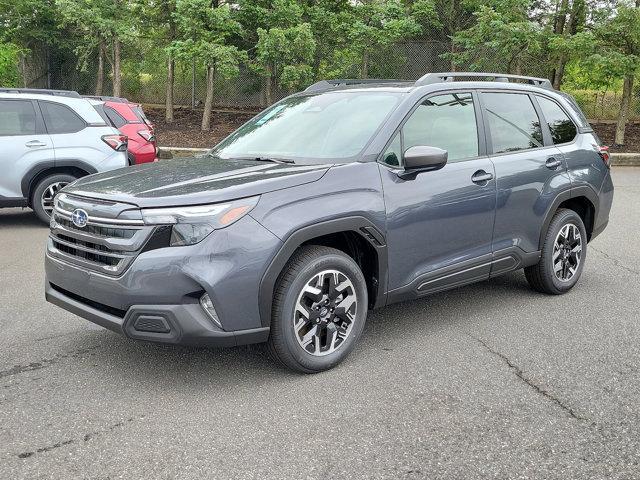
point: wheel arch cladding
(45, 169)
(355, 236)
(583, 200)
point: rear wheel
(563, 255)
(319, 309)
(45, 192)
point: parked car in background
(129, 118)
(49, 139)
(348, 196)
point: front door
(23, 144)
(439, 223)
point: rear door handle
(35, 143)
(553, 163)
(481, 177)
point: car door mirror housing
(424, 158)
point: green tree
(9, 76)
(376, 24)
(203, 32)
(101, 22)
(611, 49)
(504, 30)
(568, 19)
(284, 57)
(30, 25)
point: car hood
(192, 181)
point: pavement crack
(519, 373)
(44, 363)
(615, 261)
(85, 438)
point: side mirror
(424, 158)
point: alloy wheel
(49, 194)
(567, 251)
(325, 312)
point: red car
(129, 118)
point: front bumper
(157, 297)
(183, 324)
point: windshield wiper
(265, 159)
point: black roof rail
(327, 84)
(106, 98)
(431, 78)
(42, 91)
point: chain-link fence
(144, 79)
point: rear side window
(17, 117)
(61, 119)
(513, 122)
(137, 109)
(562, 128)
(114, 117)
(445, 121)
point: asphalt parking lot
(487, 381)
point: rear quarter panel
(88, 147)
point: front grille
(97, 230)
(104, 245)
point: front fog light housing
(207, 306)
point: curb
(617, 159)
(625, 159)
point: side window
(17, 117)
(445, 121)
(513, 122)
(562, 128)
(393, 155)
(115, 118)
(61, 119)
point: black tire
(299, 271)
(541, 277)
(41, 187)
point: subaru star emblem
(79, 217)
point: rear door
(23, 144)
(64, 126)
(530, 172)
(439, 223)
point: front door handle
(481, 177)
(35, 143)
(553, 163)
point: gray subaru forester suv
(346, 197)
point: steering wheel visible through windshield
(332, 126)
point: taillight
(148, 135)
(117, 142)
(606, 156)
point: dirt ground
(185, 130)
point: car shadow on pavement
(19, 218)
(393, 325)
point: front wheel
(563, 255)
(319, 309)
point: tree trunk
(627, 90)
(100, 74)
(171, 65)
(268, 91)
(117, 72)
(364, 71)
(558, 72)
(208, 102)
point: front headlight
(192, 224)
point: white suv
(48, 139)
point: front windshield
(332, 126)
